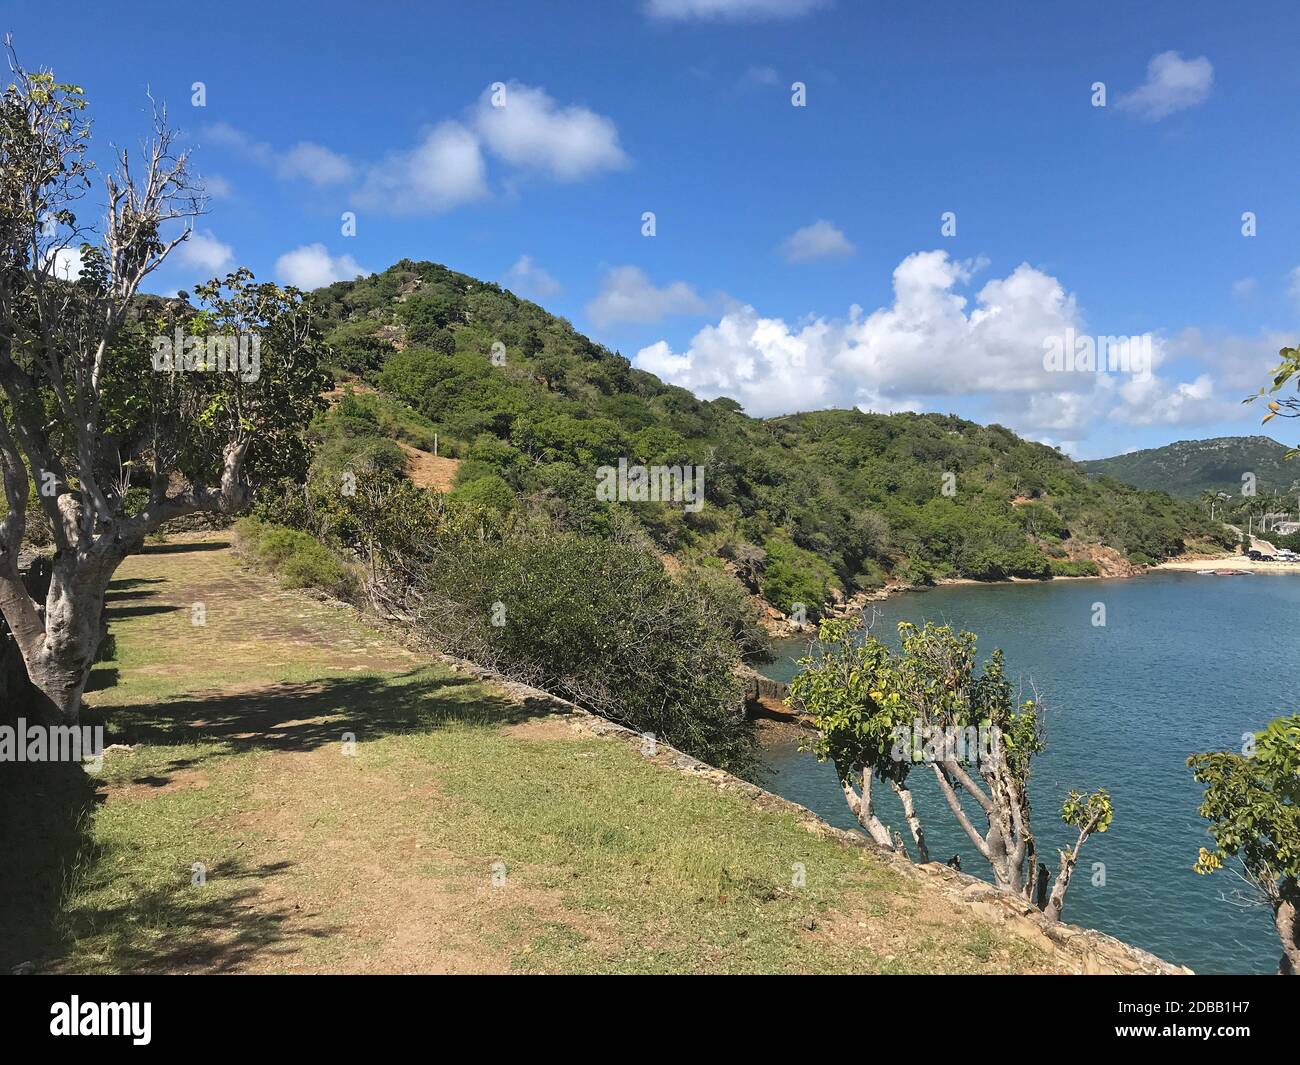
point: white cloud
(447, 167)
(313, 162)
(628, 295)
(67, 264)
(526, 278)
(1173, 84)
(532, 132)
(1239, 364)
(821, 240)
(317, 164)
(1244, 288)
(224, 135)
(203, 252)
(444, 171)
(932, 346)
(217, 187)
(312, 266)
(730, 10)
(1153, 401)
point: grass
(464, 832)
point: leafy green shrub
(296, 558)
(356, 348)
(793, 575)
(597, 621)
(489, 491)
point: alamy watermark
(651, 484)
(52, 743)
(236, 353)
(926, 744)
(1073, 352)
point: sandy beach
(1233, 562)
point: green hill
(1189, 467)
(797, 505)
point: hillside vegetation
(798, 507)
(1188, 468)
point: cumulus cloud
(932, 347)
(821, 240)
(312, 266)
(314, 163)
(446, 169)
(205, 253)
(1173, 84)
(532, 132)
(1153, 401)
(628, 295)
(526, 278)
(729, 10)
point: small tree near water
(1252, 801)
(882, 715)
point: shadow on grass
(306, 716)
(114, 613)
(183, 549)
(44, 808)
(45, 811)
(219, 926)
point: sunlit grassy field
(302, 794)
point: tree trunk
(863, 808)
(59, 655)
(1287, 919)
(913, 822)
(1052, 911)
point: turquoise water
(1184, 663)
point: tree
(1252, 801)
(881, 715)
(105, 390)
(1285, 372)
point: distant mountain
(1190, 467)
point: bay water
(1183, 663)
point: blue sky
(798, 259)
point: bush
(793, 575)
(599, 622)
(489, 491)
(297, 559)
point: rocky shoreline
(780, 626)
